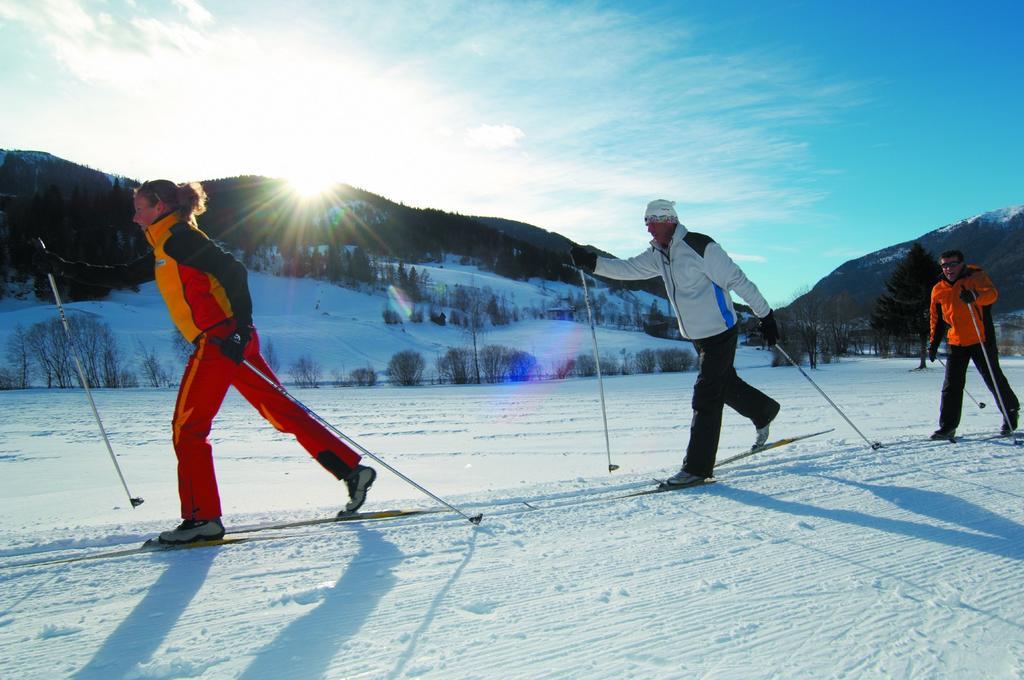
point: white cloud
(615, 119)
(196, 13)
(492, 137)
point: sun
(309, 185)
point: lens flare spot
(399, 301)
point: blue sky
(797, 134)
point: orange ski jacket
(202, 285)
(948, 311)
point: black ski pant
(956, 378)
(717, 386)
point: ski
(242, 535)
(346, 517)
(663, 485)
(1013, 438)
(772, 445)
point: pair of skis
(253, 534)
(1014, 438)
(663, 485)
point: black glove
(233, 346)
(770, 330)
(582, 258)
(933, 352)
(968, 295)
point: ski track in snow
(824, 558)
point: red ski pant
(204, 385)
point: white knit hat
(661, 211)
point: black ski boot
(944, 435)
(683, 478)
(1010, 425)
(358, 482)
(192, 530)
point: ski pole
(136, 501)
(980, 404)
(873, 445)
(600, 379)
(991, 373)
(475, 519)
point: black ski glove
(770, 330)
(233, 346)
(582, 258)
(968, 295)
(933, 352)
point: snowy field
(821, 559)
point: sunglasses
(950, 265)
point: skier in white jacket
(698, 277)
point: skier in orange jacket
(207, 294)
(960, 310)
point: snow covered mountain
(310, 301)
(994, 240)
(343, 329)
(30, 172)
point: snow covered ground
(822, 559)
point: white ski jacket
(698, 276)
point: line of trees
(44, 350)
(500, 364)
(823, 328)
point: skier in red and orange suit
(207, 294)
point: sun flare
(309, 185)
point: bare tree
(805, 316)
(364, 377)
(840, 316)
(7, 379)
(91, 342)
(675, 360)
(406, 368)
(182, 348)
(646, 361)
(49, 347)
(474, 328)
(19, 357)
(456, 365)
(522, 366)
(306, 372)
(153, 371)
(494, 362)
(585, 366)
(269, 352)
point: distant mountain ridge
(993, 240)
(255, 213)
(30, 172)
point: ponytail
(187, 199)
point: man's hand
(582, 258)
(769, 329)
(933, 352)
(968, 295)
(233, 346)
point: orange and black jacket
(951, 316)
(203, 285)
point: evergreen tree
(903, 310)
